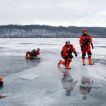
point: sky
(53, 12)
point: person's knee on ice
(61, 62)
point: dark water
(15, 64)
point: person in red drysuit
(35, 53)
(86, 44)
(66, 54)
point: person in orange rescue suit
(66, 54)
(35, 52)
(86, 44)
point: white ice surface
(42, 84)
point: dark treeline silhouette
(45, 31)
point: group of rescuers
(67, 50)
(85, 44)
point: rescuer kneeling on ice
(86, 44)
(66, 54)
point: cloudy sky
(54, 12)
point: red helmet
(84, 30)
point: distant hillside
(44, 31)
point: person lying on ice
(35, 52)
(66, 54)
(86, 44)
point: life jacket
(85, 40)
(67, 50)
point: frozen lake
(39, 82)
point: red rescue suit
(35, 53)
(66, 54)
(85, 43)
(67, 51)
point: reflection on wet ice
(68, 82)
(85, 86)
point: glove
(75, 54)
(92, 46)
(81, 47)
